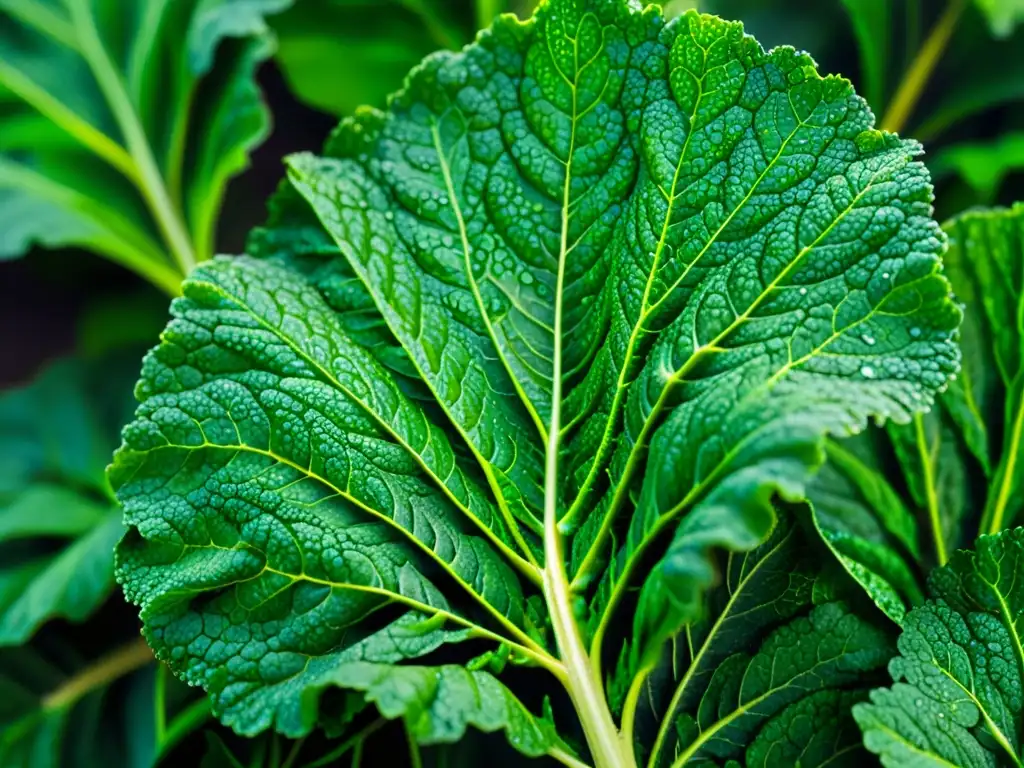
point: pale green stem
(354, 743)
(565, 758)
(111, 667)
(921, 68)
(583, 682)
(996, 516)
(293, 753)
(184, 723)
(486, 12)
(150, 182)
(160, 704)
(928, 477)
(414, 749)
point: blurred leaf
(1002, 15)
(982, 165)
(38, 583)
(124, 122)
(106, 325)
(58, 710)
(872, 26)
(675, 8)
(339, 54)
(977, 73)
(58, 522)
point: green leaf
(121, 137)
(982, 165)
(984, 404)
(702, 699)
(816, 731)
(828, 647)
(362, 455)
(340, 54)
(1002, 15)
(956, 698)
(55, 709)
(58, 523)
(872, 25)
(37, 585)
(866, 525)
(960, 462)
(548, 333)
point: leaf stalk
(583, 682)
(145, 172)
(115, 665)
(920, 71)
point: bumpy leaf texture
(628, 269)
(960, 463)
(767, 676)
(958, 695)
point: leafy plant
(959, 462)
(119, 134)
(957, 693)
(60, 702)
(520, 357)
(57, 435)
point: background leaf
(956, 697)
(58, 519)
(123, 138)
(340, 54)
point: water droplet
(915, 332)
(867, 372)
(869, 340)
(885, 275)
(803, 291)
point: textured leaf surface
(297, 471)
(745, 679)
(108, 126)
(723, 327)
(959, 463)
(598, 279)
(957, 694)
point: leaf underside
(337, 470)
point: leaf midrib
(994, 729)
